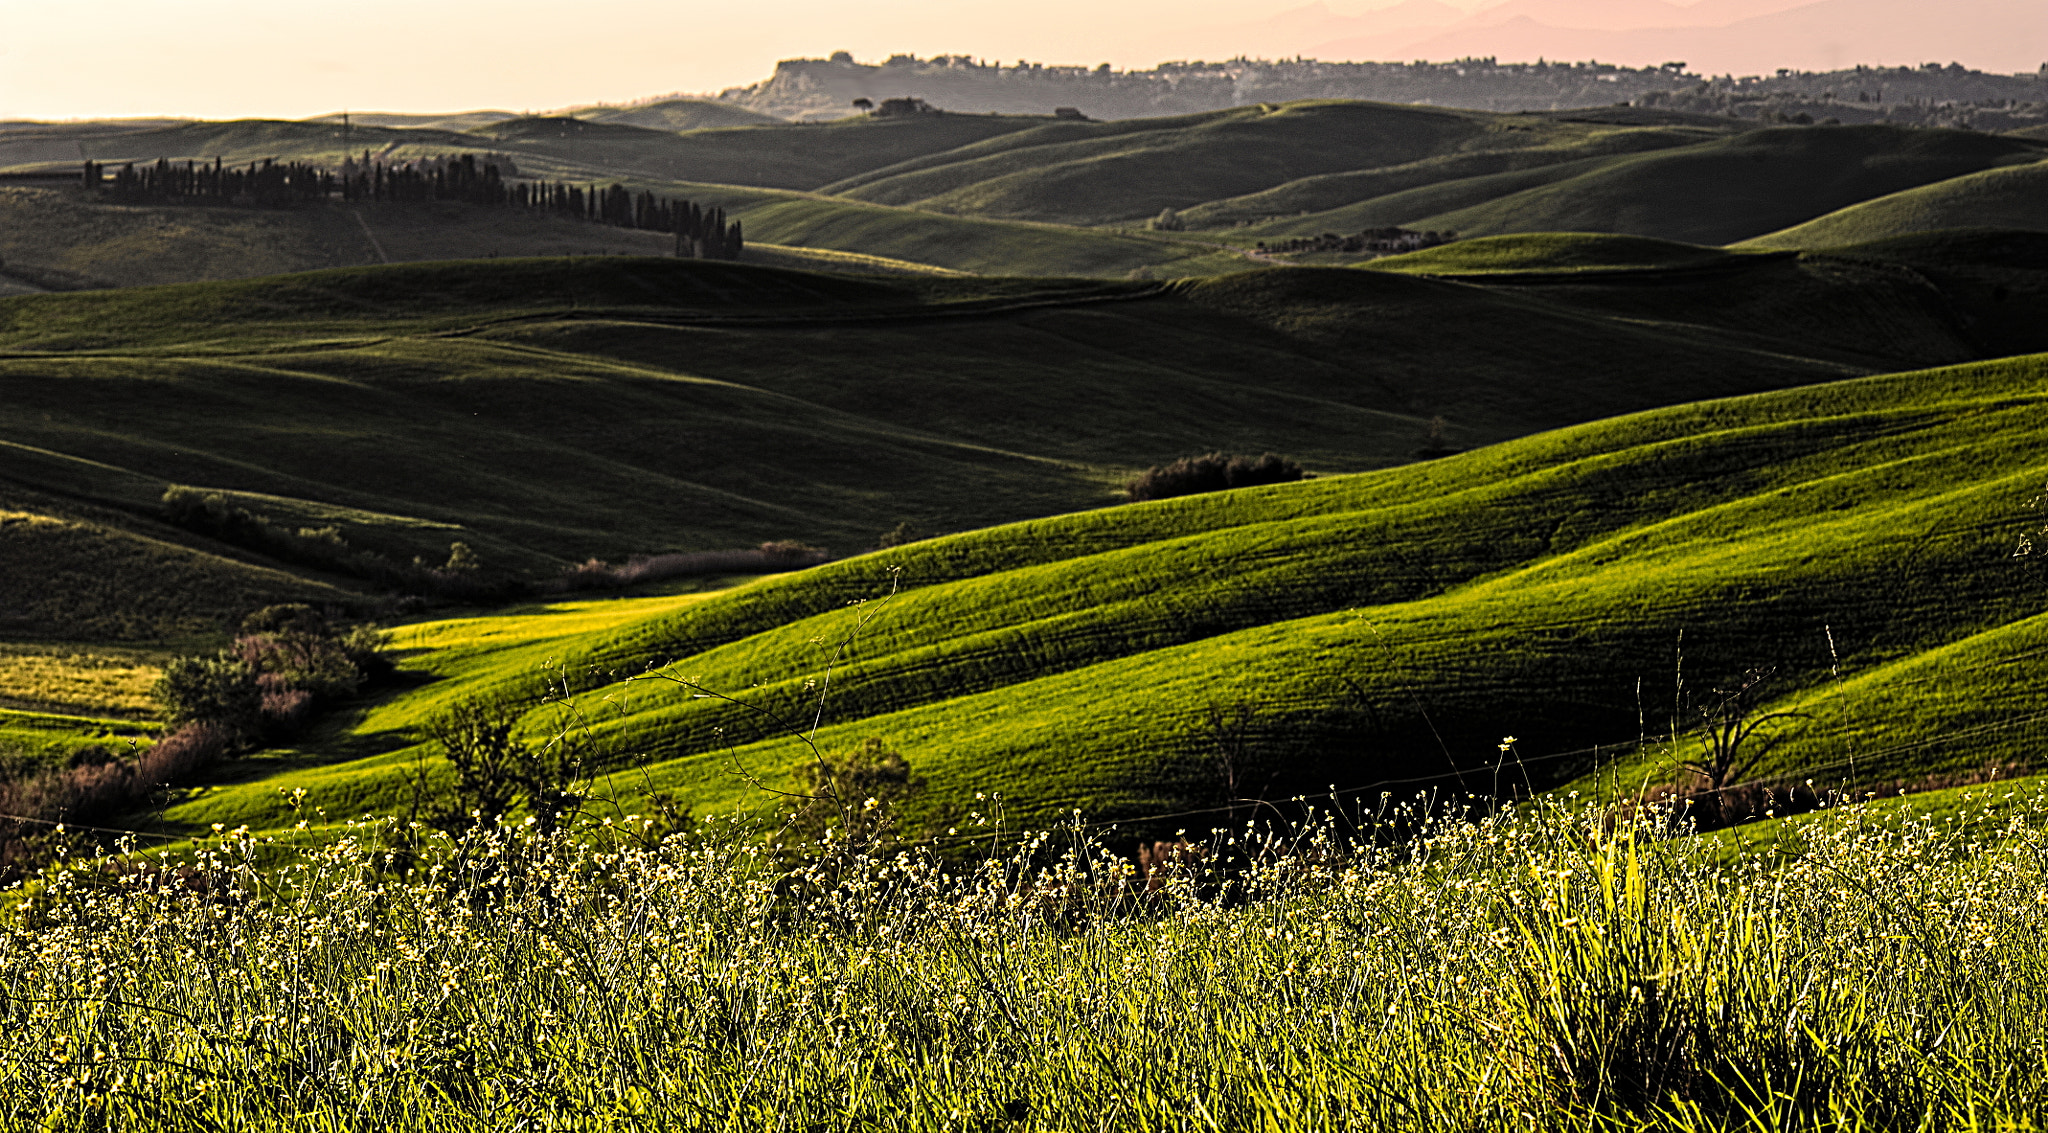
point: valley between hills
(1671, 394)
(1187, 610)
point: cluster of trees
(1211, 472)
(286, 662)
(596, 574)
(1378, 241)
(261, 183)
(701, 232)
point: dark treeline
(1379, 241)
(267, 183)
(701, 232)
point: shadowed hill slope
(79, 572)
(55, 236)
(2015, 197)
(1104, 172)
(546, 411)
(780, 156)
(1332, 193)
(1725, 191)
(1552, 252)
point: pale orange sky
(290, 59)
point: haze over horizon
(68, 59)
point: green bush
(213, 690)
(1211, 472)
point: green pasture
(49, 738)
(92, 573)
(547, 411)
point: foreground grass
(1541, 968)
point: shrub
(855, 796)
(175, 758)
(285, 709)
(497, 770)
(1211, 472)
(899, 535)
(97, 784)
(319, 665)
(216, 690)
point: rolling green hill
(1746, 186)
(1331, 192)
(66, 243)
(546, 411)
(53, 237)
(781, 156)
(1130, 170)
(81, 572)
(2014, 197)
(1553, 252)
(1025, 195)
(247, 140)
(1383, 628)
(679, 115)
(985, 247)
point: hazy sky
(297, 58)
(293, 58)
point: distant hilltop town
(1932, 94)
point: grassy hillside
(1121, 171)
(459, 120)
(106, 571)
(1567, 589)
(1555, 252)
(2015, 197)
(679, 115)
(781, 156)
(1742, 187)
(1403, 208)
(548, 410)
(1014, 195)
(1335, 191)
(987, 247)
(53, 237)
(256, 139)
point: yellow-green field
(95, 679)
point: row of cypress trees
(268, 182)
(701, 232)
